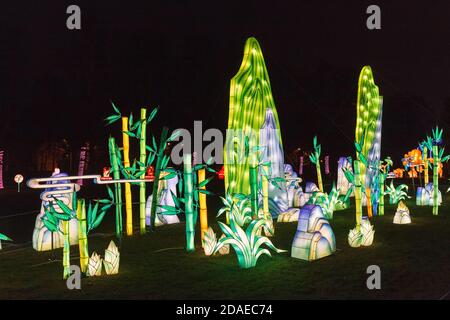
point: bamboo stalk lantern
(202, 204)
(126, 163)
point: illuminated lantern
(82, 165)
(221, 173)
(327, 164)
(399, 172)
(126, 164)
(272, 152)
(402, 214)
(247, 244)
(202, 203)
(362, 237)
(94, 265)
(314, 238)
(150, 173)
(44, 239)
(1, 169)
(424, 195)
(300, 169)
(368, 125)
(289, 216)
(250, 97)
(292, 184)
(106, 173)
(114, 156)
(142, 167)
(209, 241)
(342, 183)
(112, 259)
(165, 190)
(3, 238)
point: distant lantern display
(300, 167)
(1, 169)
(327, 164)
(84, 159)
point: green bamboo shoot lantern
(250, 96)
(189, 203)
(117, 187)
(142, 159)
(368, 128)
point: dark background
(180, 56)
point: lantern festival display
(165, 190)
(251, 108)
(342, 183)
(314, 238)
(1, 169)
(44, 239)
(402, 215)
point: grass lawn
(414, 261)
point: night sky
(180, 56)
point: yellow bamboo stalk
(82, 235)
(126, 163)
(202, 203)
(369, 203)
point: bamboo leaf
(116, 109)
(152, 115)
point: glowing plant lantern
(250, 96)
(126, 164)
(114, 156)
(202, 203)
(166, 192)
(396, 193)
(237, 206)
(143, 168)
(45, 239)
(94, 265)
(327, 202)
(224, 249)
(247, 244)
(112, 259)
(189, 202)
(433, 143)
(314, 238)
(384, 170)
(209, 241)
(402, 215)
(315, 158)
(424, 195)
(362, 236)
(367, 232)
(368, 131)
(3, 238)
